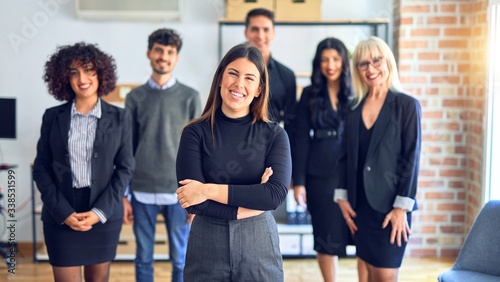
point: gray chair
(479, 257)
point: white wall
(29, 33)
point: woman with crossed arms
(233, 167)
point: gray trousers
(234, 250)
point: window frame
(492, 154)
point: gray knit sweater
(158, 117)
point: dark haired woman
(220, 162)
(320, 122)
(84, 161)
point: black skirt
(67, 247)
(372, 242)
(331, 234)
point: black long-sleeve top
(237, 153)
(317, 137)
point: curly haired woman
(84, 162)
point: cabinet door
(290, 244)
(308, 245)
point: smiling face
(260, 33)
(238, 87)
(373, 70)
(331, 64)
(163, 58)
(83, 80)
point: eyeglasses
(362, 66)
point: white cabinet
(296, 240)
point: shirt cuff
(128, 194)
(100, 215)
(340, 194)
(404, 203)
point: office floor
(296, 270)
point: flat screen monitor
(8, 118)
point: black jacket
(392, 163)
(317, 138)
(112, 163)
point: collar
(241, 120)
(271, 64)
(96, 111)
(167, 85)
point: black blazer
(392, 162)
(312, 155)
(112, 163)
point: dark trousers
(234, 250)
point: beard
(160, 70)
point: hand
(400, 227)
(265, 176)
(246, 213)
(348, 213)
(191, 193)
(299, 193)
(74, 222)
(88, 218)
(128, 215)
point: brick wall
(440, 48)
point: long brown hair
(259, 106)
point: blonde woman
(379, 166)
